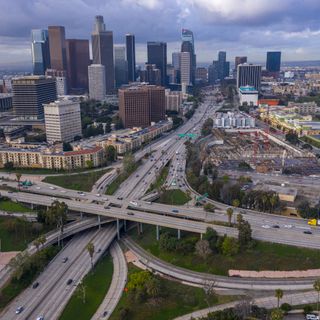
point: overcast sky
(241, 27)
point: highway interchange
(125, 205)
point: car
(65, 259)
(98, 195)
(10, 192)
(175, 210)
(120, 198)
(275, 226)
(19, 309)
(130, 213)
(106, 207)
(288, 226)
(35, 285)
(99, 250)
(105, 313)
(307, 232)
(265, 226)
(52, 188)
(40, 318)
(134, 203)
(69, 282)
(38, 188)
(137, 176)
(311, 316)
(63, 191)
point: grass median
(81, 181)
(96, 285)
(174, 197)
(263, 256)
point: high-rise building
(139, 104)
(78, 60)
(213, 72)
(120, 65)
(172, 74)
(40, 51)
(224, 66)
(176, 60)
(188, 46)
(60, 77)
(57, 44)
(131, 57)
(30, 94)
(240, 60)
(273, 61)
(185, 68)
(157, 54)
(151, 75)
(102, 51)
(201, 74)
(249, 75)
(62, 120)
(97, 81)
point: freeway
(53, 292)
(292, 236)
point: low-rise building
(173, 100)
(233, 120)
(248, 95)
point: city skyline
(248, 29)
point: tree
(203, 249)
(230, 246)
(36, 243)
(316, 287)
(153, 287)
(111, 153)
(236, 203)
(278, 294)
(81, 291)
(229, 214)
(276, 314)
(67, 146)
(138, 280)
(212, 237)
(167, 242)
(18, 176)
(91, 250)
(273, 202)
(209, 290)
(245, 233)
(9, 165)
(209, 207)
(42, 239)
(128, 162)
(89, 164)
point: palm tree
(236, 203)
(229, 214)
(42, 239)
(316, 287)
(90, 249)
(264, 200)
(18, 176)
(273, 201)
(278, 294)
(36, 243)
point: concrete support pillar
(158, 232)
(201, 235)
(118, 229)
(141, 228)
(125, 225)
(81, 215)
(179, 234)
(31, 205)
(99, 221)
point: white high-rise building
(61, 83)
(97, 81)
(62, 120)
(185, 68)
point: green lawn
(10, 206)
(177, 299)
(81, 181)
(97, 284)
(17, 233)
(174, 197)
(264, 256)
(161, 179)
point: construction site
(259, 151)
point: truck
(314, 222)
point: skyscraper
(97, 81)
(131, 56)
(240, 60)
(57, 44)
(151, 74)
(249, 75)
(120, 65)
(40, 51)
(213, 72)
(188, 46)
(30, 94)
(140, 104)
(224, 66)
(273, 61)
(102, 51)
(176, 60)
(185, 68)
(78, 60)
(157, 54)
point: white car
(265, 226)
(288, 226)
(133, 203)
(38, 188)
(52, 188)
